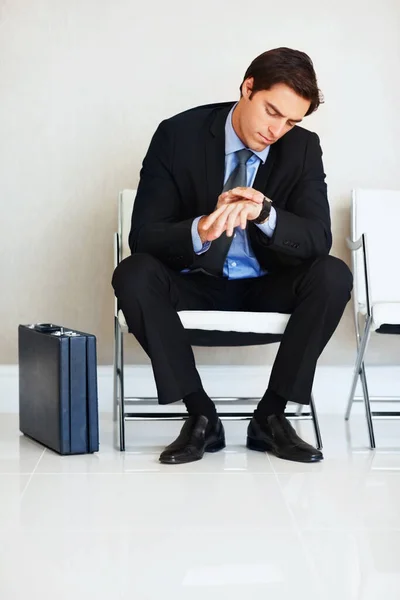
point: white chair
(375, 217)
(206, 328)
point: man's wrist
(202, 234)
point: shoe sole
(260, 446)
(214, 447)
(172, 461)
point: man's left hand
(238, 194)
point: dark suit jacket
(182, 177)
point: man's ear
(247, 87)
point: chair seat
(387, 313)
(217, 320)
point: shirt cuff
(268, 228)
(198, 247)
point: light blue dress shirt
(241, 262)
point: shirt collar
(233, 143)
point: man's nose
(276, 129)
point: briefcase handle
(46, 327)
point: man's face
(268, 115)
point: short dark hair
(291, 67)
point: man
(231, 213)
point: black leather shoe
(277, 436)
(192, 441)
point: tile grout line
(320, 589)
(32, 474)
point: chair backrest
(125, 206)
(376, 213)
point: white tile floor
(237, 524)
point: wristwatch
(264, 214)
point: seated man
(231, 213)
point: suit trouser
(150, 294)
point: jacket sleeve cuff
(198, 247)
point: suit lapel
(264, 171)
(215, 157)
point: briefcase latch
(68, 333)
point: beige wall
(84, 83)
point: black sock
(198, 403)
(270, 404)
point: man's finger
(243, 219)
(231, 221)
(240, 190)
(244, 216)
(248, 193)
(208, 221)
(222, 199)
(219, 224)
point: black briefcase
(58, 403)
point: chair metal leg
(359, 361)
(316, 423)
(367, 407)
(351, 396)
(116, 370)
(122, 394)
